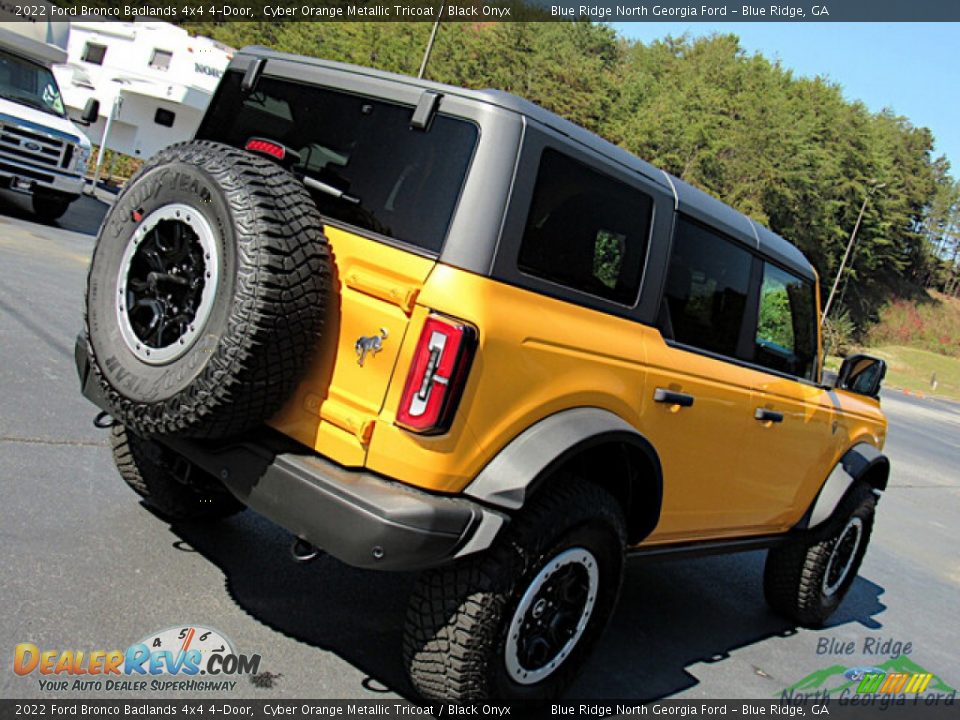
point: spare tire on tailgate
(206, 293)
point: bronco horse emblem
(369, 344)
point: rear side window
(160, 59)
(94, 53)
(391, 179)
(706, 293)
(786, 338)
(585, 230)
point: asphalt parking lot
(86, 566)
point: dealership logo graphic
(894, 682)
(898, 676)
(185, 650)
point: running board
(703, 548)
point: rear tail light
(437, 375)
(265, 147)
(287, 157)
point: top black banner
(712, 11)
(830, 709)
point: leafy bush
(116, 166)
(932, 325)
(839, 334)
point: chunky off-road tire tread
(143, 465)
(278, 305)
(455, 613)
(793, 573)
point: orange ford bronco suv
(429, 328)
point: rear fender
(529, 460)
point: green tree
(789, 152)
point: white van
(42, 152)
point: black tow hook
(104, 421)
(303, 552)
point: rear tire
(497, 625)
(170, 484)
(806, 579)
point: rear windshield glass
(376, 172)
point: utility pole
(429, 48)
(846, 256)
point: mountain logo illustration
(896, 675)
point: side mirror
(861, 374)
(91, 111)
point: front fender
(861, 462)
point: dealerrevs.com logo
(171, 659)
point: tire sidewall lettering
(142, 383)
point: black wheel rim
(551, 616)
(842, 556)
(166, 283)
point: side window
(706, 291)
(164, 117)
(586, 230)
(786, 324)
(160, 59)
(94, 53)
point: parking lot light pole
(102, 151)
(429, 48)
(846, 256)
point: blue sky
(913, 68)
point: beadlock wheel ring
(191, 268)
(842, 555)
(538, 601)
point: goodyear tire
(806, 579)
(516, 622)
(206, 293)
(167, 482)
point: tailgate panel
(375, 287)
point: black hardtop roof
(687, 199)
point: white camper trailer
(153, 82)
(42, 153)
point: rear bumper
(358, 517)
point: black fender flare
(518, 470)
(863, 461)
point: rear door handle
(764, 415)
(662, 395)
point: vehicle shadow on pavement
(84, 215)
(356, 614)
(671, 614)
(676, 614)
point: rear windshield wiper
(330, 190)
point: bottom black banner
(891, 707)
